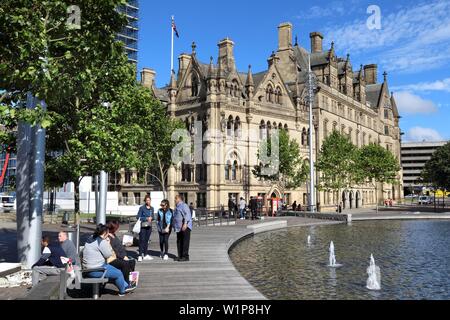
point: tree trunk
(162, 175)
(376, 194)
(77, 199)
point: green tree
(336, 163)
(437, 170)
(292, 170)
(96, 108)
(376, 165)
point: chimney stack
(148, 77)
(370, 73)
(226, 55)
(285, 36)
(183, 62)
(316, 42)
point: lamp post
(310, 86)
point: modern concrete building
(235, 104)
(414, 157)
(129, 35)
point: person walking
(164, 224)
(294, 205)
(231, 207)
(145, 217)
(242, 205)
(253, 207)
(97, 250)
(182, 223)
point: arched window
(269, 129)
(234, 170)
(262, 130)
(334, 126)
(325, 128)
(230, 126)
(303, 137)
(237, 127)
(286, 127)
(227, 170)
(195, 85)
(307, 141)
(278, 95)
(280, 126)
(269, 93)
(235, 88)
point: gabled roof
(373, 94)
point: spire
(211, 69)
(296, 41)
(249, 81)
(361, 73)
(194, 46)
(385, 76)
(173, 81)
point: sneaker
(140, 259)
(166, 257)
(121, 294)
(130, 289)
(147, 257)
(161, 255)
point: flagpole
(171, 51)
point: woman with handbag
(164, 224)
(145, 217)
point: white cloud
(409, 103)
(439, 85)
(423, 134)
(413, 39)
(336, 8)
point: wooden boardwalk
(209, 275)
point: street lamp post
(310, 98)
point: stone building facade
(229, 104)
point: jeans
(242, 212)
(113, 274)
(183, 240)
(39, 273)
(164, 242)
(144, 238)
(125, 266)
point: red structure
(5, 166)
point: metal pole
(96, 194)
(311, 130)
(171, 48)
(101, 215)
(23, 188)
(37, 190)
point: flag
(174, 27)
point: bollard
(65, 219)
(349, 218)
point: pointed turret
(249, 84)
(211, 69)
(173, 81)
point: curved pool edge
(233, 242)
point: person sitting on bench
(121, 261)
(49, 263)
(95, 254)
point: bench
(81, 278)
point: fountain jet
(309, 240)
(332, 259)
(374, 279)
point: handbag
(145, 224)
(137, 227)
(127, 240)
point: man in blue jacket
(182, 223)
(49, 263)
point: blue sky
(412, 46)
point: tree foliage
(292, 169)
(336, 163)
(437, 169)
